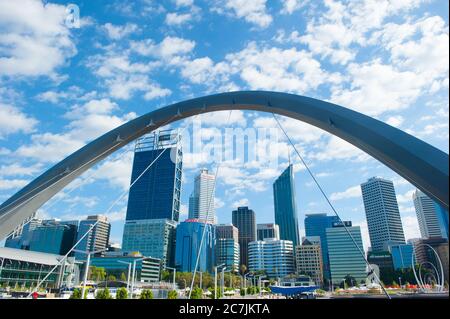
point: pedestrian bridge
(423, 165)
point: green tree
(172, 294)
(197, 293)
(123, 277)
(76, 294)
(97, 273)
(146, 294)
(103, 294)
(122, 293)
(243, 269)
(111, 278)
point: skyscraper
(98, 237)
(316, 225)
(154, 200)
(428, 215)
(382, 214)
(285, 206)
(267, 231)
(245, 221)
(275, 257)
(344, 256)
(156, 194)
(227, 247)
(189, 244)
(201, 201)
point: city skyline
(110, 106)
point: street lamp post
(86, 269)
(215, 279)
(201, 279)
(223, 281)
(133, 276)
(174, 275)
(259, 279)
(128, 276)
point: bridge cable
(107, 211)
(207, 217)
(331, 205)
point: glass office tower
(154, 199)
(316, 225)
(344, 256)
(244, 219)
(189, 244)
(286, 207)
(431, 223)
(382, 214)
(156, 194)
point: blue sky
(61, 87)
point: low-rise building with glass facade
(147, 269)
(54, 237)
(344, 256)
(189, 244)
(152, 238)
(22, 268)
(275, 257)
(402, 256)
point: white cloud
(395, 121)
(7, 184)
(337, 148)
(345, 23)
(34, 39)
(167, 49)
(88, 121)
(287, 70)
(352, 192)
(117, 32)
(254, 11)
(289, 6)
(184, 3)
(410, 227)
(17, 169)
(241, 202)
(13, 120)
(377, 88)
(174, 18)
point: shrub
(76, 294)
(242, 292)
(122, 293)
(146, 294)
(172, 294)
(103, 294)
(196, 293)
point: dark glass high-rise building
(244, 219)
(156, 195)
(286, 206)
(316, 225)
(154, 199)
